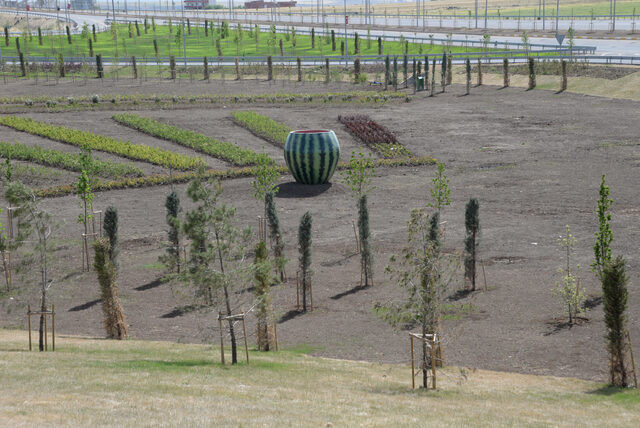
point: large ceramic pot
(312, 156)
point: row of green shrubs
(63, 160)
(262, 126)
(202, 143)
(96, 101)
(102, 143)
(165, 179)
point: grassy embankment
(89, 382)
(627, 87)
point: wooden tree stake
(244, 333)
(413, 376)
(44, 314)
(633, 363)
(484, 275)
(355, 233)
(275, 334)
(29, 324)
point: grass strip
(165, 179)
(102, 143)
(210, 146)
(262, 126)
(63, 160)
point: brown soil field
(534, 160)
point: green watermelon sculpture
(312, 156)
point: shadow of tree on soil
(559, 324)
(294, 313)
(182, 310)
(460, 294)
(153, 284)
(85, 306)
(349, 292)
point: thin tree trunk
(6, 269)
(43, 299)
(86, 232)
(41, 332)
(304, 291)
(234, 350)
(425, 380)
(473, 261)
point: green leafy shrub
(102, 143)
(262, 126)
(69, 161)
(210, 146)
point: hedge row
(165, 179)
(277, 98)
(102, 143)
(262, 126)
(68, 161)
(210, 146)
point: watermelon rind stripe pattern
(312, 157)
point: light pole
(486, 12)
(557, 15)
(346, 49)
(184, 39)
(476, 13)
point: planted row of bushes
(68, 161)
(94, 101)
(219, 149)
(165, 179)
(374, 135)
(102, 143)
(262, 126)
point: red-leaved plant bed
(374, 135)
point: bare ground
(533, 159)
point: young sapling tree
(34, 220)
(472, 227)
(264, 305)
(304, 248)
(440, 189)
(172, 257)
(425, 273)
(604, 235)
(86, 196)
(264, 190)
(106, 266)
(568, 288)
(615, 296)
(358, 177)
(217, 262)
(275, 234)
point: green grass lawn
(92, 382)
(198, 45)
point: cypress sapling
(304, 248)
